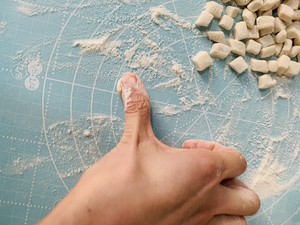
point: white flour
(171, 83)
(161, 11)
(169, 110)
(102, 45)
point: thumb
(136, 108)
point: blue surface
(40, 159)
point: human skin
(145, 182)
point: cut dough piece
(214, 8)
(293, 32)
(283, 64)
(286, 47)
(225, 1)
(267, 13)
(255, 5)
(237, 47)
(232, 11)
(278, 49)
(281, 37)
(216, 36)
(202, 61)
(239, 65)
(204, 19)
(267, 52)
(265, 22)
(279, 25)
(220, 51)
(266, 81)
(294, 51)
(294, 4)
(264, 32)
(259, 65)
(296, 15)
(242, 2)
(273, 66)
(226, 22)
(253, 33)
(253, 47)
(266, 41)
(240, 31)
(292, 70)
(269, 4)
(285, 12)
(249, 17)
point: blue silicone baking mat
(60, 111)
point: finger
(136, 108)
(227, 220)
(235, 198)
(206, 145)
(233, 163)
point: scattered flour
(151, 44)
(20, 166)
(171, 83)
(27, 10)
(102, 45)
(199, 99)
(147, 61)
(169, 110)
(2, 26)
(161, 11)
(178, 69)
(281, 89)
(270, 178)
(130, 52)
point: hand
(144, 182)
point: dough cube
(202, 61)
(273, 66)
(294, 51)
(279, 25)
(296, 15)
(204, 19)
(265, 82)
(249, 17)
(225, 1)
(237, 47)
(220, 51)
(267, 51)
(240, 31)
(214, 8)
(269, 4)
(285, 12)
(287, 46)
(283, 64)
(253, 33)
(242, 2)
(293, 32)
(297, 41)
(292, 3)
(232, 11)
(253, 47)
(216, 36)
(255, 5)
(239, 65)
(226, 22)
(267, 13)
(259, 65)
(293, 69)
(265, 22)
(266, 31)
(278, 49)
(281, 37)
(266, 41)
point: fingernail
(130, 82)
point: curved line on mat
(43, 96)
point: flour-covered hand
(145, 182)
